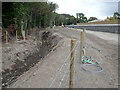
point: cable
(90, 71)
(63, 76)
(53, 80)
(61, 68)
(94, 48)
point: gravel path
(100, 49)
(42, 74)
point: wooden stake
(81, 45)
(16, 35)
(23, 34)
(6, 37)
(72, 59)
(84, 32)
(82, 38)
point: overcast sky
(97, 8)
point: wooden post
(82, 38)
(23, 34)
(16, 35)
(6, 37)
(84, 33)
(72, 59)
(81, 45)
(22, 31)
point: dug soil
(19, 56)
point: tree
(27, 15)
(92, 18)
(116, 15)
(66, 19)
(81, 18)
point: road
(112, 28)
(101, 48)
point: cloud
(108, 8)
(97, 8)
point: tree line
(27, 15)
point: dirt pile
(22, 55)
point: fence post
(84, 33)
(16, 35)
(82, 37)
(72, 59)
(23, 34)
(6, 37)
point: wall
(112, 28)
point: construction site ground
(101, 46)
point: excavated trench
(48, 41)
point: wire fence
(66, 62)
(63, 76)
(60, 69)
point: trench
(49, 41)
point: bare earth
(102, 47)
